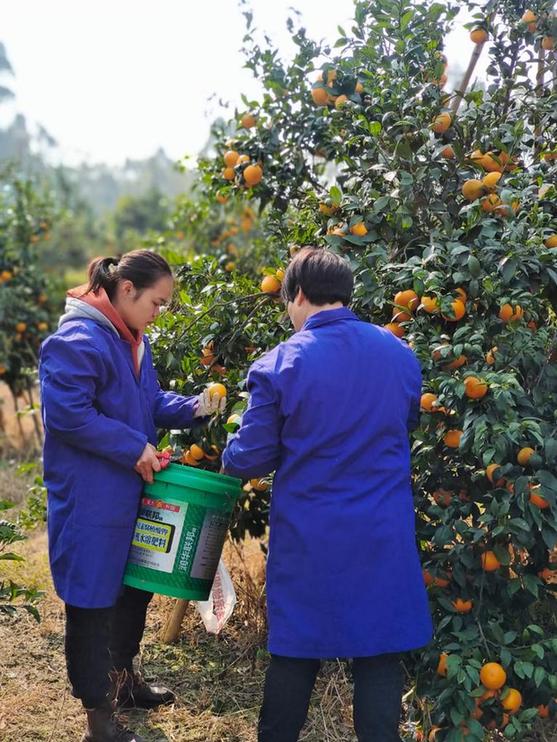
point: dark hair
(142, 267)
(324, 277)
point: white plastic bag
(217, 609)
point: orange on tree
(551, 241)
(490, 474)
(320, 95)
(252, 175)
(491, 180)
(341, 101)
(448, 152)
(493, 676)
(396, 329)
(543, 711)
(21, 327)
(430, 304)
(427, 401)
(259, 485)
(407, 299)
(490, 356)
(475, 388)
(509, 313)
(531, 20)
(463, 606)
(228, 173)
(242, 159)
(537, 500)
(491, 202)
(442, 123)
(489, 560)
(459, 361)
(479, 35)
(472, 189)
(230, 158)
(442, 665)
(548, 43)
(327, 209)
(270, 285)
(248, 120)
(452, 438)
(459, 310)
(511, 701)
(359, 229)
(523, 456)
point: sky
(116, 79)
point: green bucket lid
(199, 479)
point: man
(329, 412)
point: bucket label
(209, 546)
(157, 534)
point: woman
(101, 407)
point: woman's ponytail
(142, 267)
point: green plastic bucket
(180, 531)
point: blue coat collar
(328, 316)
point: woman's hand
(148, 463)
(209, 404)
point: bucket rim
(217, 480)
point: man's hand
(208, 404)
(148, 463)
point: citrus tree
(444, 202)
(27, 310)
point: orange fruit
(230, 158)
(427, 401)
(489, 561)
(479, 35)
(490, 180)
(442, 497)
(462, 606)
(452, 438)
(327, 209)
(442, 666)
(407, 298)
(221, 198)
(279, 274)
(248, 120)
(320, 96)
(548, 43)
(491, 202)
(242, 159)
(196, 452)
(341, 101)
(490, 471)
(228, 173)
(457, 363)
(523, 456)
(259, 485)
(21, 327)
(442, 122)
(551, 241)
(401, 316)
(358, 229)
(512, 700)
(430, 304)
(459, 310)
(490, 356)
(538, 501)
(188, 459)
(252, 175)
(5, 276)
(492, 163)
(530, 18)
(217, 390)
(543, 711)
(475, 388)
(42, 326)
(270, 285)
(447, 152)
(472, 189)
(493, 676)
(395, 329)
(509, 313)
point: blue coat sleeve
(69, 373)
(255, 450)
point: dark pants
(378, 684)
(99, 640)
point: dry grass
(218, 680)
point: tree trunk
(171, 630)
